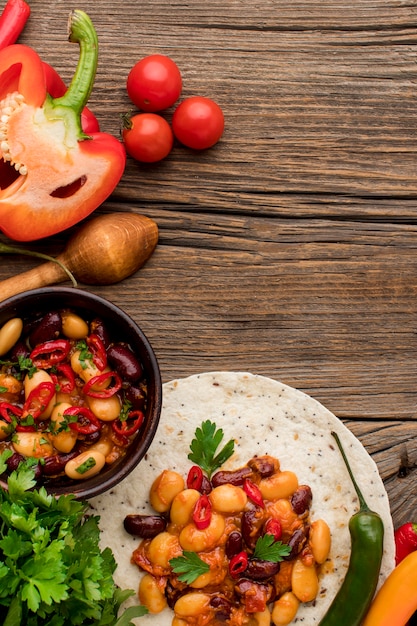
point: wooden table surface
(290, 248)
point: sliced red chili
(273, 527)
(68, 384)
(9, 411)
(129, 426)
(202, 512)
(238, 564)
(98, 350)
(50, 353)
(253, 492)
(38, 400)
(99, 380)
(195, 478)
(86, 423)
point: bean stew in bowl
(80, 390)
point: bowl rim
(93, 488)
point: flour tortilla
(264, 417)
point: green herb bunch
(52, 569)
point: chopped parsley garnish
(26, 364)
(51, 562)
(87, 465)
(204, 448)
(85, 354)
(189, 566)
(3, 389)
(267, 549)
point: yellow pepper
(396, 600)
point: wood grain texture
(290, 248)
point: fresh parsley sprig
(207, 439)
(51, 562)
(189, 566)
(267, 549)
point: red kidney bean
(14, 461)
(55, 464)
(251, 525)
(97, 327)
(19, 351)
(125, 362)
(234, 544)
(91, 437)
(144, 526)
(173, 593)
(296, 543)
(301, 499)
(222, 607)
(234, 477)
(137, 396)
(258, 569)
(264, 465)
(205, 486)
(49, 327)
(262, 590)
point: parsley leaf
(25, 363)
(267, 549)
(204, 447)
(189, 566)
(85, 354)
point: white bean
(106, 409)
(164, 489)
(30, 383)
(32, 444)
(228, 499)
(9, 334)
(150, 594)
(73, 326)
(191, 604)
(86, 369)
(4, 430)
(85, 465)
(64, 440)
(182, 506)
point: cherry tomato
(154, 83)
(148, 138)
(198, 122)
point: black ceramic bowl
(121, 328)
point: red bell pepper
(12, 21)
(52, 174)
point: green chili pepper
(354, 597)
